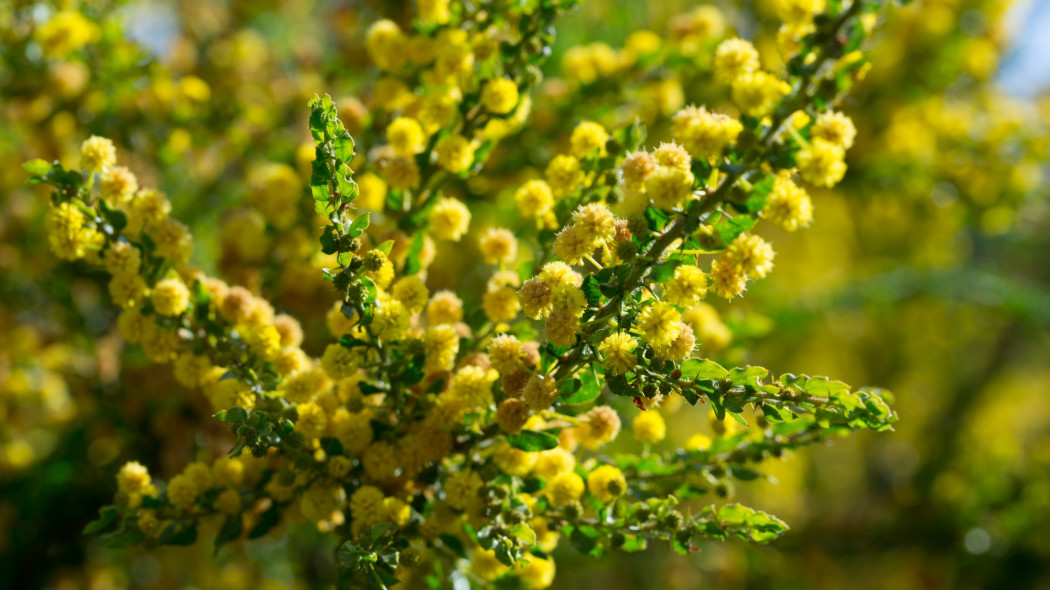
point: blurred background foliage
(924, 272)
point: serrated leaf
(702, 370)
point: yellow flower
(658, 323)
(601, 424)
(702, 133)
(788, 206)
(564, 489)
(636, 168)
(834, 127)
(170, 297)
(461, 489)
(391, 321)
(649, 427)
(727, 280)
(386, 45)
(821, 163)
(673, 156)
(444, 308)
(594, 224)
(540, 392)
(312, 420)
(616, 352)
(118, 184)
(669, 188)
(751, 255)
(606, 483)
(449, 219)
(499, 96)
(440, 345)
(67, 31)
(534, 198)
(564, 175)
(733, 58)
(339, 361)
(97, 154)
(501, 304)
(406, 136)
(455, 153)
(687, 287)
(757, 93)
(512, 415)
(588, 137)
(411, 292)
(498, 245)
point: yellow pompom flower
(339, 361)
(128, 290)
(726, 279)
(649, 427)
(564, 488)
(734, 58)
(461, 489)
(449, 219)
(788, 206)
(537, 574)
(65, 32)
(564, 175)
(411, 292)
(498, 245)
(455, 153)
(229, 502)
(366, 507)
(594, 223)
(687, 287)
(440, 345)
(702, 133)
(264, 340)
(433, 11)
(170, 297)
(386, 45)
(506, 353)
(132, 478)
(380, 461)
(669, 188)
(391, 321)
(822, 163)
(672, 155)
(587, 138)
(444, 308)
(540, 392)
(751, 255)
(679, 348)
(182, 492)
(658, 323)
(606, 483)
(97, 154)
(561, 328)
(406, 136)
(601, 424)
(312, 420)
(118, 184)
(122, 258)
(757, 93)
(534, 198)
(499, 96)
(570, 246)
(512, 415)
(400, 172)
(501, 304)
(616, 353)
(834, 127)
(799, 11)
(636, 168)
(354, 431)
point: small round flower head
(391, 321)
(616, 352)
(121, 257)
(553, 462)
(366, 505)
(411, 292)
(561, 328)
(182, 492)
(400, 172)
(440, 345)
(658, 323)
(534, 198)
(264, 341)
(449, 219)
(312, 420)
(821, 163)
(455, 153)
(170, 297)
(703, 133)
(595, 223)
(835, 127)
(339, 361)
(799, 11)
(606, 483)
(512, 415)
(499, 96)
(751, 255)
(726, 279)
(687, 287)
(568, 299)
(669, 188)
(757, 93)
(636, 168)
(506, 353)
(649, 427)
(444, 308)
(535, 298)
(601, 425)
(406, 136)
(97, 154)
(386, 45)
(564, 175)
(588, 138)
(537, 573)
(501, 304)
(570, 246)
(672, 155)
(733, 58)
(132, 478)
(540, 392)
(118, 184)
(564, 489)
(788, 206)
(433, 11)
(681, 347)
(461, 489)
(498, 245)
(290, 330)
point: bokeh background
(925, 272)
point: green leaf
(358, 226)
(702, 370)
(412, 262)
(591, 292)
(107, 515)
(267, 521)
(453, 544)
(663, 271)
(386, 247)
(588, 391)
(180, 537)
(729, 229)
(37, 167)
(344, 148)
(232, 415)
(734, 514)
(124, 537)
(532, 441)
(231, 529)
